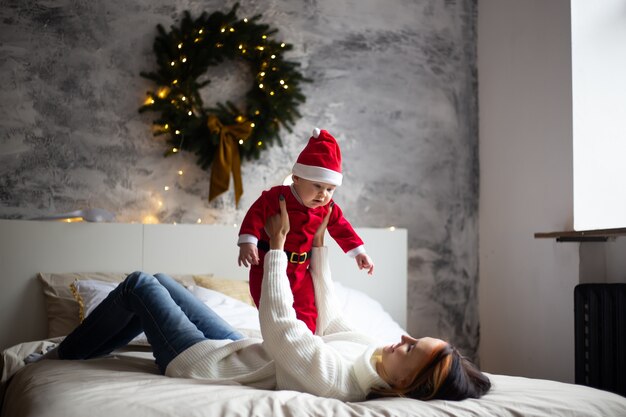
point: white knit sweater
(336, 362)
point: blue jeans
(172, 318)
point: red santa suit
(319, 161)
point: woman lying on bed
(189, 340)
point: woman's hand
(277, 226)
(318, 238)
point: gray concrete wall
(394, 81)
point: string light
(162, 92)
(180, 173)
(150, 219)
(199, 221)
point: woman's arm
(304, 357)
(277, 227)
(329, 317)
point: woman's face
(402, 361)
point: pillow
(62, 308)
(237, 289)
(367, 315)
(89, 293)
(362, 312)
(237, 313)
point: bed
(53, 274)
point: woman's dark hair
(448, 376)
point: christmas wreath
(221, 134)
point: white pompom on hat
(320, 160)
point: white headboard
(29, 247)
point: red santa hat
(320, 160)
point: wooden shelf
(597, 235)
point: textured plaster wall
(394, 81)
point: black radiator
(600, 336)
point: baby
(316, 175)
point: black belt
(293, 257)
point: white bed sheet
(128, 384)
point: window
(599, 113)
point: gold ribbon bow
(227, 158)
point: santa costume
(320, 161)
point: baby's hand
(365, 262)
(248, 254)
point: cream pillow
(61, 306)
(235, 288)
(238, 314)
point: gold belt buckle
(294, 258)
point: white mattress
(128, 384)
